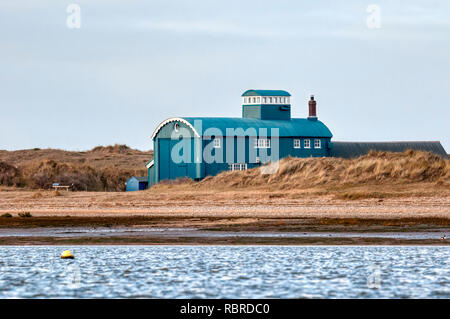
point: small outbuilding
(136, 183)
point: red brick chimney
(312, 109)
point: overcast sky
(133, 64)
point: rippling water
(226, 272)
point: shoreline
(156, 230)
(208, 241)
(222, 212)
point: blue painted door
(164, 159)
(177, 170)
(142, 186)
(168, 169)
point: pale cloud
(210, 27)
(140, 62)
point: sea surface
(226, 272)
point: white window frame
(216, 142)
(237, 166)
(307, 143)
(317, 143)
(297, 143)
(262, 143)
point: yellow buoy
(67, 254)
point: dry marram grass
(374, 168)
(102, 168)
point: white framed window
(317, 144)
(270, 100)
(264, 100)
(217, 142)
(262, 143)
(288, 100)
(258, 100)
(237, 166)
(296, 143)
(307, 143)
(176, 127)
(254, 100)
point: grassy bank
(104, 168)
(381, 168)
(376, 175)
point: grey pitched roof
(355, 149)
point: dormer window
(266, 100)
(267, 105)
(176, 127)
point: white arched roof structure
(174, 119)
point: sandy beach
(229, 212)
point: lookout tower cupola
(266, 105)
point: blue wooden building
(196, 147)
(136, 183)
